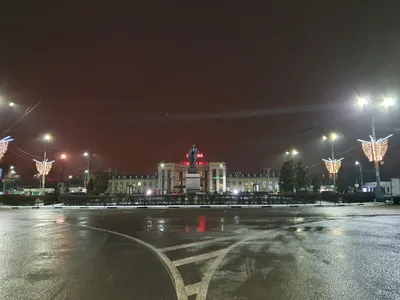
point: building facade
(241, 182)
(133, 184)
(170, 178)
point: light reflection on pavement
(247, 254)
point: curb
(50, 207)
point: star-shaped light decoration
(4, 145)
(43, 167)
(333, 166)
(375, 150)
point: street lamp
(292, 152)
(333, 165)
(63, 156)
(11, 104)
(44, 167)
(361, 174)
(12, 171)
(87, 171)
(375, 149)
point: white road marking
(203, 289)
(192, 289)
(192, 259)
(172, 270)
(200, 243)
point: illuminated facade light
(4, 145)
(333, 166)
(375, 150)
(43, 167)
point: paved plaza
(276, 253)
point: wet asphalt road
(214, 254)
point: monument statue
(193, 156)
(192, 177)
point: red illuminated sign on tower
(200, 156)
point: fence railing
(201, 199)
(214, 199)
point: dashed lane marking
(192, 259)
(200, 243)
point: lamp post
(69, 183)
(63, 158)
(162, 178)
(5, 178)
(332, 137)
(46, 139)
(361, 174)
(87, 171)
(375, 150)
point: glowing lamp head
(63, 156)
(294, 152)
(235, 192)
(70, 177)
(11, 104)
(334, 136)
(362, 101)
(324, 138)
(47, 137)
(148, 192)
(287, 152)
(86, 171)
(357, 163)
(162, 165)
(12, 167)
(388, 102)
(85, 154)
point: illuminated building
(170, 178)
(133, 184)
(240, 182)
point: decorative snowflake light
(4, 145)
(43, 167)
(333, 166)
(375, 150)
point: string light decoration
(4, 145)
(43, 167)
(333, 166)
(375, 150)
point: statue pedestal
(192, 181)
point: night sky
(244, 80)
